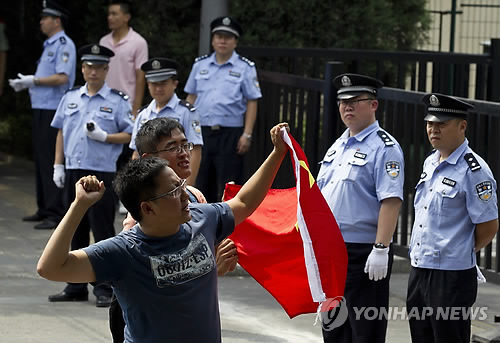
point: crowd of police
(79, 131)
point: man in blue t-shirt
(163, 269)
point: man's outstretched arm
(57, 262)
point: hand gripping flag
(291, 244)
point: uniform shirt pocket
(450, 200)
(50, 56)
(202, 82)
(105, 120)
(357, 168)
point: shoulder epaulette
(190, 107)
(120, 93)
(250, 63)
(472, 162)
(432, 151)
(202, 57)
(385, 138)
(62, 40)
(72, 89)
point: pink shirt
(130, 53)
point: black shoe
(103, 301)
(33, 218)
(63, 296)
(47, 224)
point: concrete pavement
(248, 312)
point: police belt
(218, 127)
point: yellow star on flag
(311, 177)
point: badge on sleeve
(484, 190)
(65, 57)
(256, 82)
(392, 168)
(196, 126)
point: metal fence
(308, 105)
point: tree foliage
(364, 24)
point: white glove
(377, 263)
(480, 276)
(59, 175)
(23, 82)
(97, 134)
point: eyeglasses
(177, 149)
(352, 103)
(175, 193)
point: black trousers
(440, 290)
(360, 292)
(100, 218)
(48, 197)
(219, 161)
(116, 321)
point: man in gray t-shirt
(162, 270)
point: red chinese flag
(293, 249)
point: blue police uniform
(58, 56)
(110, 110)
(222, 90)
(364, 169)
(357, 173)
(451, 198)
(176, 109)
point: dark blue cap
(160, 69)
(352, 85)
(443, 107)
(95, 54)
(226, 24)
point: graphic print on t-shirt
(182, 266)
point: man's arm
(255, 189)
(195, 164)
(59, 153)
(250, 117)
(118, 138)
(191, 98)
(140, 85)
(387, 220)
(52, 80)
(57, 262)
(484, 234)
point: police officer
(161, 76)
(224, 88)
(364, 166)
(93, 122)
(456, 215)
(55, 73)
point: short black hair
(136, 182)
(153, 131)
(125, 6)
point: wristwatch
(247, 136)
(36, 81)
(379, 246)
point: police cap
(443, 107)
(160, 69)
(53, 9)
(95, 54)
(226, 24)
(352, 85)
